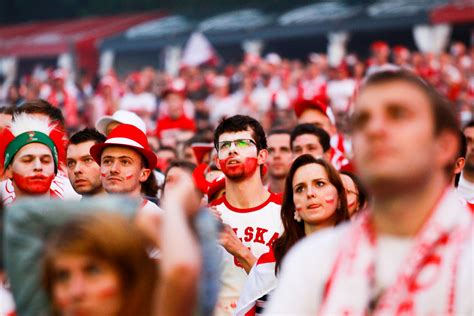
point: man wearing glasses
(251, 214)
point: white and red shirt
(257, 228)
(348, 270)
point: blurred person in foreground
(314, 199)
(411, 252)
(95, 261)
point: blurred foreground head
(98, 265)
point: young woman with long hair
(314, 198)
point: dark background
(15, 11)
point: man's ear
(262, 156)
(447, 148)
(459, 165)
(216, 161)
(9, 172)
(145, 173)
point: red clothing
(166, 123)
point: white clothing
(257, 228)
(466, 189)
(309, 266)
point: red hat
(379, 47)
(177, 86)
(301, 104)
(402, 51)
(201, 149)
(128, 136)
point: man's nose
(37, 165)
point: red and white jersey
(61, 188)
(257, 228)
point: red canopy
(461, 11)
(42, 39)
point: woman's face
(315, 198)
(84, 285)
(352, 194)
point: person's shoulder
(320, 246)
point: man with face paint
(60, 185)
(126, 162)
(29, 153)
(251, 214)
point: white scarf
(438, 245)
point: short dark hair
(469, 124)
(9, 109)
(85, 135)
(308, 128)
(444, 116)
(183, 164)
(279, 131)
(42, 107)
(239, 123)
(461, 154)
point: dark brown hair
(113, 239)
(293, 230)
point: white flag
(198, 51)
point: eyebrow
(120, 157)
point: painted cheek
(103, 175)
(128, 177)
(330, 201)
(250, 165)
(107, 292)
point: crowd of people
(272, 187)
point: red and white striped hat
(128, 136)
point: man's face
(82, 170)
(238, 156)
(122, 170)
(175, 105)
(393, 137)
(316, 117)
(469, 133)
(307, 144)
(32, 170)
(279, 155)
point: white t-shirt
(257, 228)
(308, 265)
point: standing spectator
(64, 99)
(414, 244)
(139, 101)
(249, 212)
(126, 164)
(29, 155)
(83, 171)
(279, 159)
(314, 199)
